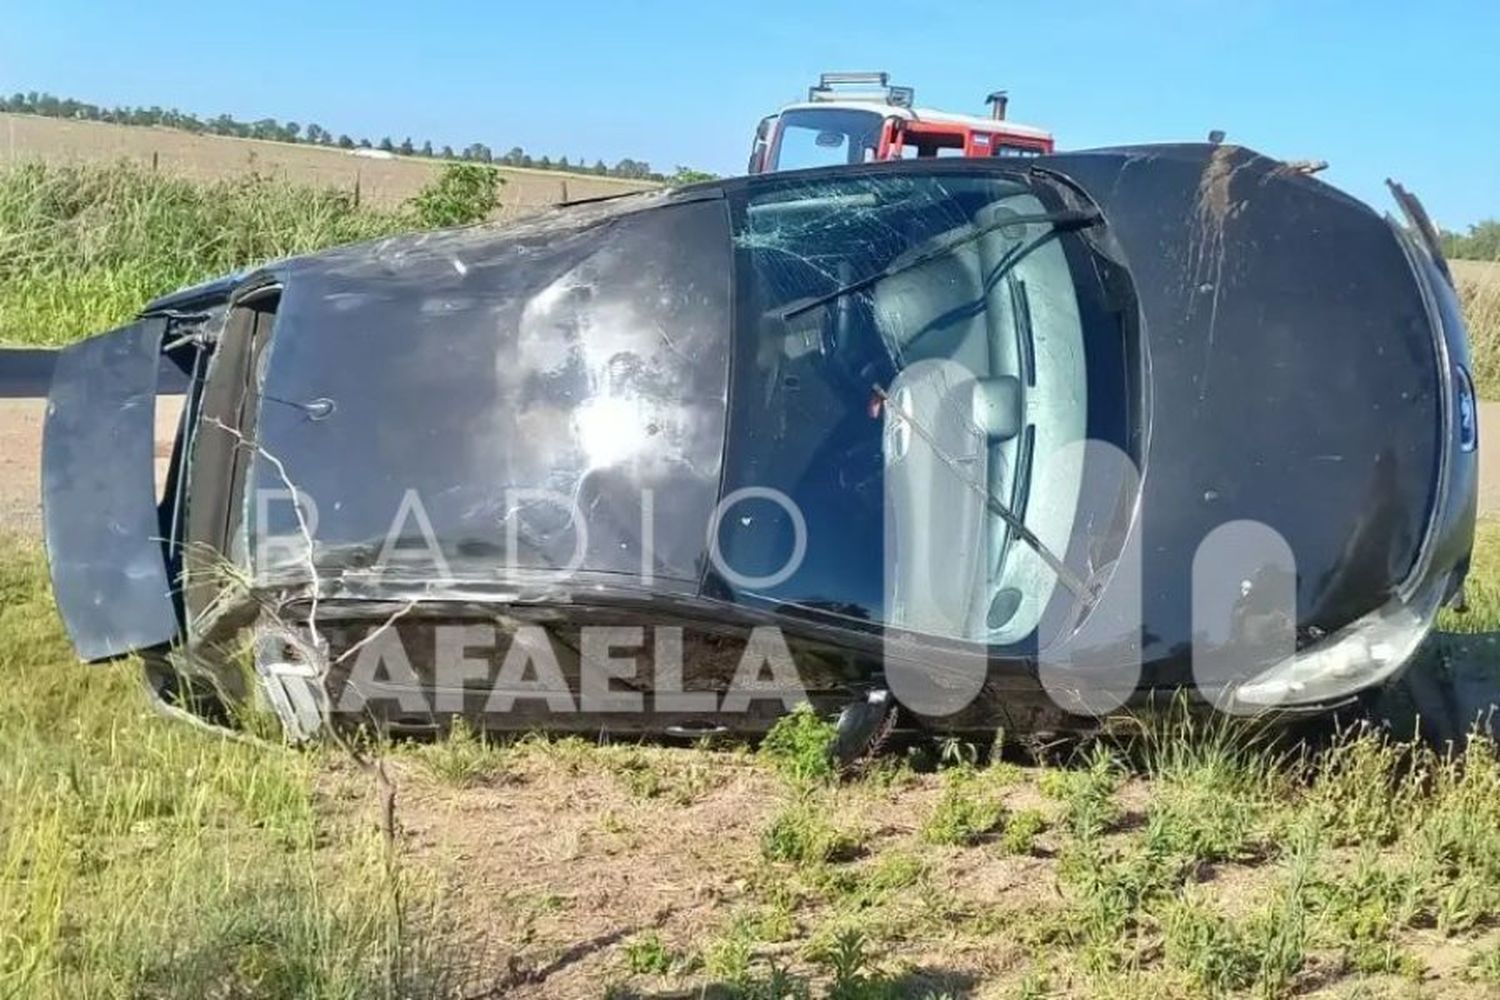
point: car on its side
(1006, 443)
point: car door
(106, 545)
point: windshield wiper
(1062, 221)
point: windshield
(825, 137)
(916, 346)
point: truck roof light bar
(873, 87)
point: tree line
(1481, 242)
(312, 134)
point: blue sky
(1377, 88)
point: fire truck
(861, 117)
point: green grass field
(144, 857)
(84, 247)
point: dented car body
(1052, 438)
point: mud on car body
(879, 418)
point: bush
(1479, 294)
(1021, 831)
(801, 835)
(464, 193)
(800, 746)
(1482, 242)
(967, 811)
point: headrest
(997, 406)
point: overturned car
(995, 445)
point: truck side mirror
(761, 144)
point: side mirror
(760, 146)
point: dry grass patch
(1479, 292)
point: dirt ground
(204, 157)
(556, 863)
(21, 451)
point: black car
(1004, 444)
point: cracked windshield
(921, 336)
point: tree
(687, 175)
(635, 169)
(1482, 242)
(42, 103)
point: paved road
(25, 372)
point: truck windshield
(825, 137)
(916, 346)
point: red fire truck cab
(860, 118)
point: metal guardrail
(26, 373)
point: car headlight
(1363, 653)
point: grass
(84, 247)
(802, 834)
(648, 955)
(141, 857)
(463, 759)
(968, 811)
(1479, 292)
(800, 746)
